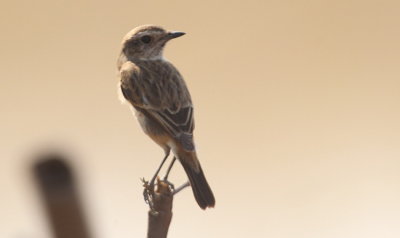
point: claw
(170, 185)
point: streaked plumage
(157, 91)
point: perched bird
(162, 103)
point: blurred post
(60, 197)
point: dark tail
(201, 190)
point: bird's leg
(169, 169)
(171, 185)
(159, 168)
(149, 187)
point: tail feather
(201, 190)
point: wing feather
(158, 90)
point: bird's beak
(174, 34)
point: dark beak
(174, 34)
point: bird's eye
(145, 39)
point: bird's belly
(149, 126)
(154, 130)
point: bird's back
(154, 83)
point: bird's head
(147, 42)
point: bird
(162, 102)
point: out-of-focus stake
(56, 184)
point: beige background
(297, 113)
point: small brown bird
(162, 101)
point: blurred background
(297, 115)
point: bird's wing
(162, 96)
(179, 124)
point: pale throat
(154, 54)
(145, 57)
(153, 57)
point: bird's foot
(170, 185)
